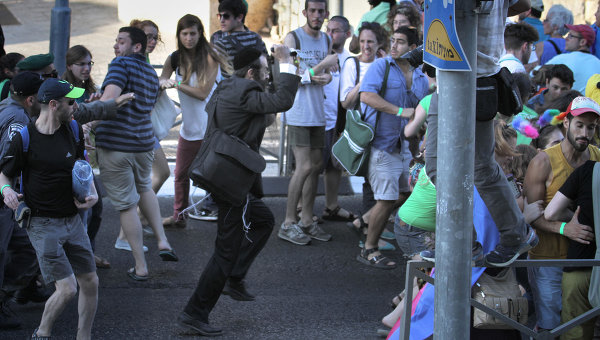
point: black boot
(33, 292)
(8, 318)
(237, 290)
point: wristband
(178, 84)
(562, 228)
(2, 189)
(312, 73)
(399, 111)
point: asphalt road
(318, 291)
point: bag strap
(383, 89)
(357, 63)
(596, 198)
(297, 40)
(558, 51)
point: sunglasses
(53, 74)
(224, 16)
(90, 64)
(71, 102)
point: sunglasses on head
(52, 74)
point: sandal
(358, 230)
(377, 261)
(400, 297)
(315, 218)
(334, 215)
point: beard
(262, 82)
(578, 147)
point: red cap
(586, 32)
(581, 105)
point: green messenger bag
(353, 146)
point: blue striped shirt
(131, 130)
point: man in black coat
(241, 108)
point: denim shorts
(62, 247)
(411, 240)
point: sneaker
(203, 328)
(237, 290)
(170, 222)
(8, 318)
(314, 231)
(476, 259)
(124, 245)
(294, 234)
(205, 215)
(503, 256)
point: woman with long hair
(197, 68)
(79, 68)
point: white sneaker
(124, 245)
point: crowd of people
(533, 167)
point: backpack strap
(297, 40)
(74, 129)
(558, 51)
(25, 138)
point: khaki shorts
(125, 175)
(62, 247)
(308, 136)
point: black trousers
(18, 263)
(233, 253)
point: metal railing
(412, 271)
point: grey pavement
(318, 291)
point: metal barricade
(412, 271)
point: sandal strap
(366, 252)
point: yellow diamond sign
(438, 43)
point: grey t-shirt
(308, 109)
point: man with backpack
(46, 160)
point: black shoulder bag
(225, 166)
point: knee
(67, 289)
(88, 282)
(304, 168)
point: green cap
(36, 62)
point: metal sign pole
(60, 32)
(456, 136)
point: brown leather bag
(501, 293)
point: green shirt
(377, 14)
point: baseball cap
(582, 105)
(26, 83)
(53, 88)
(586, 32)
(36, 62)
(537, 5)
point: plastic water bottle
(82, 178)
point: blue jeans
(546, 286)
